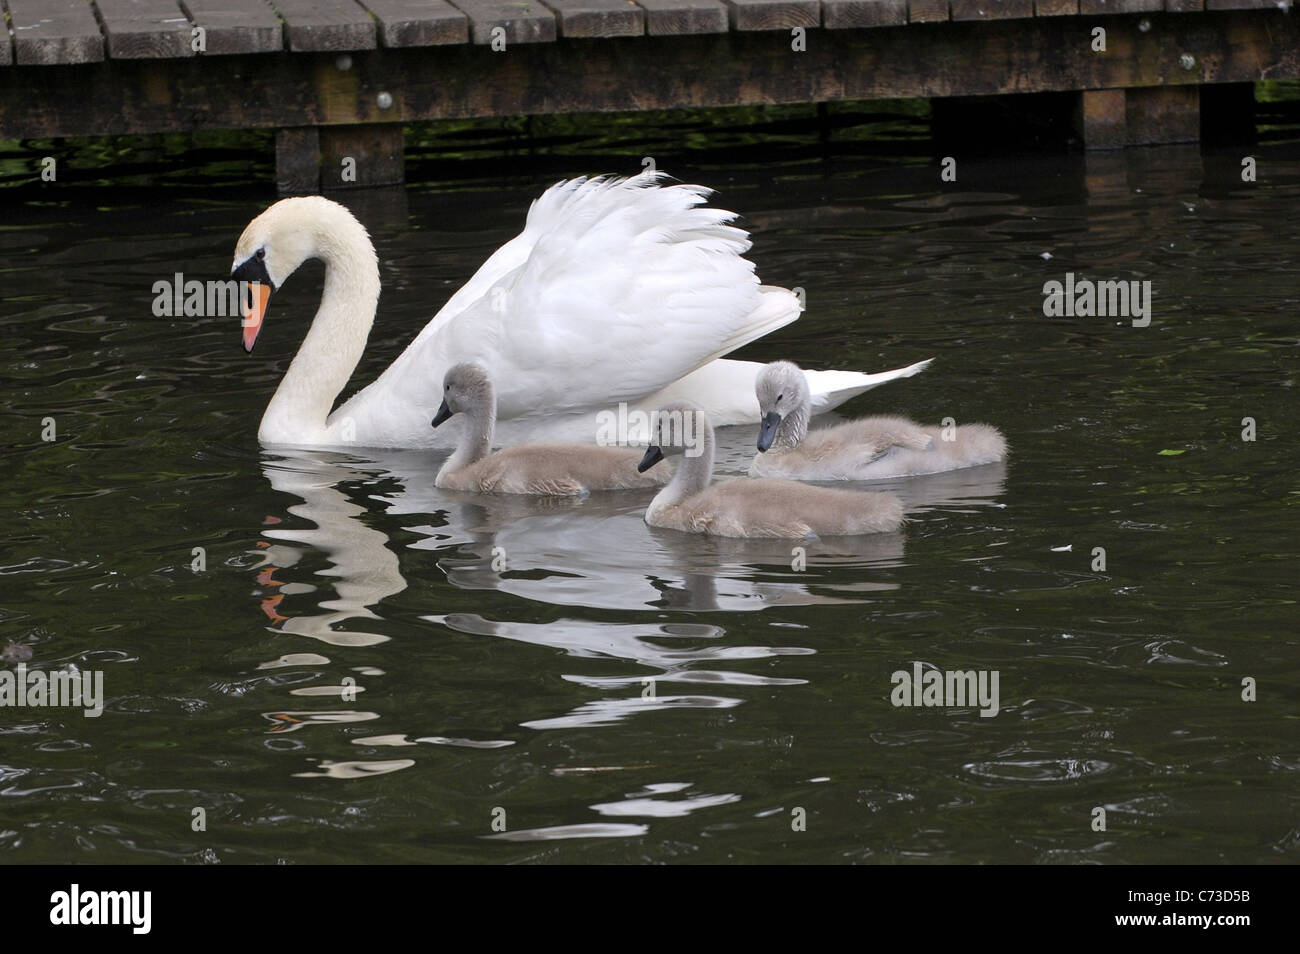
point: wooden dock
(337, 79)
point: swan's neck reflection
(363, 570)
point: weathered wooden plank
(326, 25)
(1056, 8)
(598, 18)
(992, 9)
(522, 21)
(145, 29)
(847, 14)
(1099, 7)
(418, 22)
(927, 11)
(1184, 6)
(6, 47)
(55, 31)
(273, 90)
(1240, 4)
(773, 14)
(676, 17)
(236, 26)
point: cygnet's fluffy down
(870, 448)
(749, 507)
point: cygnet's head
(464, 386)
(677, 428)
(782, 391)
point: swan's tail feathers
(777, 307)
(830, 389)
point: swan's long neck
(476, 439)
(692, 475)
(299, 411)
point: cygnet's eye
(780, 398)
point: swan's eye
(261, 254)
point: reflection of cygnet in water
(757, 507)
(537, 469)
(593, 551)
(869, 448)
(601, 554)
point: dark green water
(525, 690)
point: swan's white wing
(546, 213)
(633, 288)
(725, 389)
(830, 389)
(625, 287)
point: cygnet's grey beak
(653, 455)
(767, 432)
(444, 412)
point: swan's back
(765, 507)
(562, 470)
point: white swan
(617, 290)
(749, 506)
(870, 448)
(549, 470)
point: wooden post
(1141, 116)
(297, 160)
(1102, 120)
(310, 159)
(1158, 115)
(361, 156)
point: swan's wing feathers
(647, 274)
(830, 389)
(545, 212)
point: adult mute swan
(546, 470)
(869, 448)
(617, 290)
(749, 506)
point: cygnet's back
(553, 470)
(749, 507)
(767, 507)
(538, 469)
(869, 448)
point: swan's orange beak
(254, 312)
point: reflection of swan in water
(603, 555)
(597, 552)
(364, 570)
(594, 551)
(639, 643)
